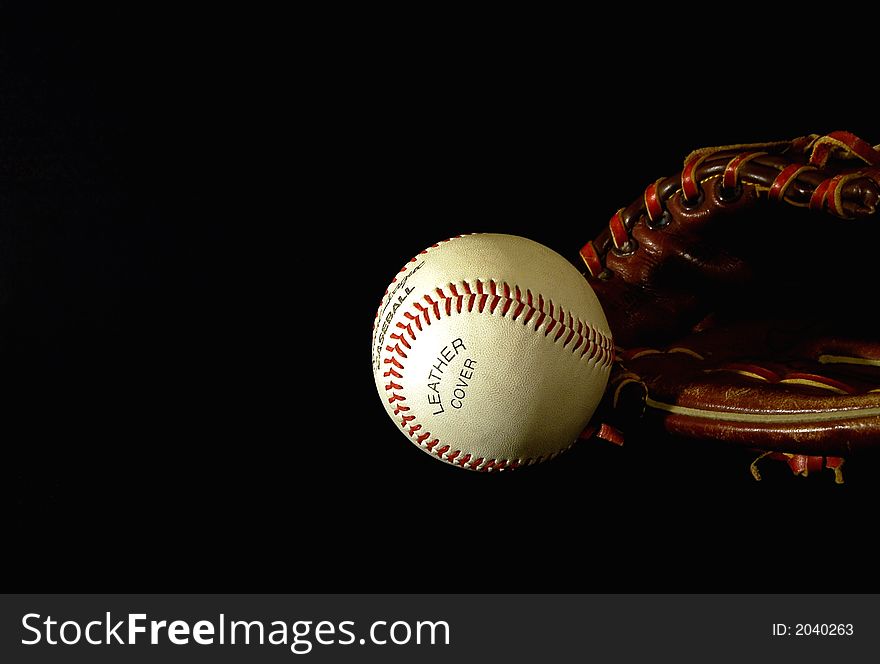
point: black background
(199, 215)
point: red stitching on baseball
(400, 339)
(540, 320)
(395, 349)
(403, 269)
(519, 309)
(393, 360)
(595, 346)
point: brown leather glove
(743, 294)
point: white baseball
(491, 352)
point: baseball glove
(742, 293)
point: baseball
(490, 352)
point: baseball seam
(400, 272)
(487, 299)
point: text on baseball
(395, 300)
(460, 381)
(463, 376)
